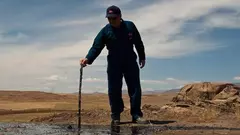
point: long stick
(79, 99)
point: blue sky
(186, 41)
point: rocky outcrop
(208, 92)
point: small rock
(151, 107)
(69, 127)
(166, 107)
(180, 110)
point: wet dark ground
(48, 129)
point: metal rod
(79, 99)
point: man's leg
(132, 79)
(115, 91)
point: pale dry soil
(40, 107)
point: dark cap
(113, 11)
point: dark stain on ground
(66, 129)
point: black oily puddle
(49, 129)
(66, 129)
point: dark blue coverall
(121, 63)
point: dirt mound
(215, 93)
(57, 117)
(201, 102)
(32, 96)
(88, 116)
(151, 107)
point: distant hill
(153, 91)
(14, 95)
(146, 92)
(126, 92)
(89, 93)
(172, 91)
(238, 84)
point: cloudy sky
(186, 41)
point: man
(119, 36)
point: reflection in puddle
(134, 130)
(40, 129)
(33, 129)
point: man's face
(114, 21)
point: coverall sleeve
(97, 47)
(138, 43)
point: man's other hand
(84, 62)
(142, 63)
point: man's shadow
(161, 122)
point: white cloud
(158, 24)
(106, 3)
(224, 20)
(78, 22)
(94, 80)
(12, 38)
(160, 21)
(74, 22)
(170, 81)
(236, 78)
(54, 78)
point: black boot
(115, 120)
(139, 120)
